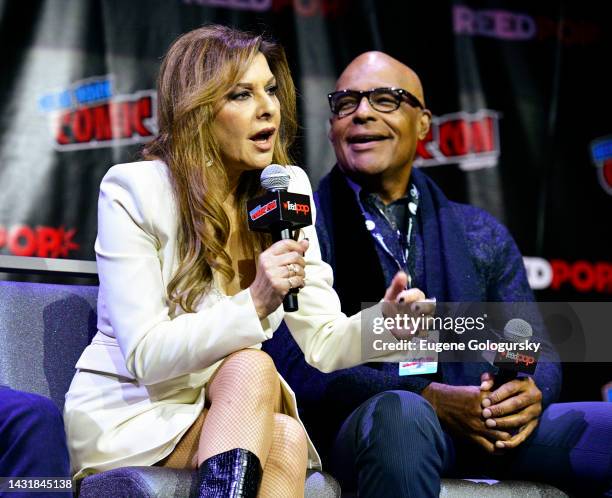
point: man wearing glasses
(390, 430)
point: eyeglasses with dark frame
(345, 102)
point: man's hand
(459, 409)
(515, 405)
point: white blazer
(139, 385)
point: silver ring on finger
(290, 270)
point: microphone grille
(275, 177)
(517, 330)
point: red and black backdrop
(520, 92)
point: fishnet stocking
(244, 393)
(285, 470)
(185, 453)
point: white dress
(139, 385)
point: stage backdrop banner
(519, 92)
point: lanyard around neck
(371, 227)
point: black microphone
(279, 213)
(511, 363)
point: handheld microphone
(511, 363)
(279, 213)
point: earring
(209, 163)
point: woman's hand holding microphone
(279, 269)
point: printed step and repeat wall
(520, 93)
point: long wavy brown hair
(199, 70)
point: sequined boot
(232, 474)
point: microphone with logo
(511, 363)
(279, 213)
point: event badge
(426, 362)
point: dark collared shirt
(389, 224)
(396, 213)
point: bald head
(377, 69)
(374, 147)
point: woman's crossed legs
(244, 398)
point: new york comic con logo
(468, 139)
(87, 115)
(601, 152)
(259, 211)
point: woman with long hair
(174, 376)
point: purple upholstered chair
(43, 330)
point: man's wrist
(432, 394)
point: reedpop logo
(558, 274)
(40, 241)
(297, 207)
(517, 26)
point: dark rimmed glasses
(345, 102)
